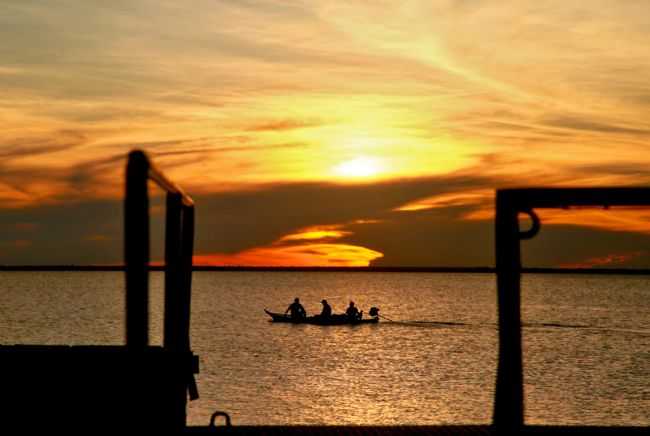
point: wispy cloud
(609, 261)
(463, 198)
(591, 125)
(281, 125)
(29, 146)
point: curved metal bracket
(534, 229)
(220, 413)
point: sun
(358, 167)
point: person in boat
(352, 312)
(327, 310)
(296, 310)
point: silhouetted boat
(336, 319)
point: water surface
(586, 343)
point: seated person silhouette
(327, 310)
(297, 311)
(352, 312)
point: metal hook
(534, 229)
(220, 413)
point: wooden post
(173, 271)
(185, 290)
(509, 399)
(136, 251)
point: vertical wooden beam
(185, 290)
(173, 271)
(509, 400)
(136, 251)
(185, 295)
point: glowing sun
(358, 167)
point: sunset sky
(324, 132)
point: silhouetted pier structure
(143, 389)
(117, 389)
(508, 414)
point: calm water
(586, 344)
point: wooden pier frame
(179, 240)
(179, 248)
(117, 389)
(510, 203)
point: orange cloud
(298, 255)
(479, 196)
(12, 197)
(317, 233)
(308, 246)
(367, 221)
(609, 260)
(616, 219)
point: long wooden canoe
(337, 319)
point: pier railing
(179, 240)
(510, 203)
(179, 248)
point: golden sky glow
(238, 97)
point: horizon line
(424, 269)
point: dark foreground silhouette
(131, 389)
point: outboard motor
(374, 311)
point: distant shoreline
(383, 269)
